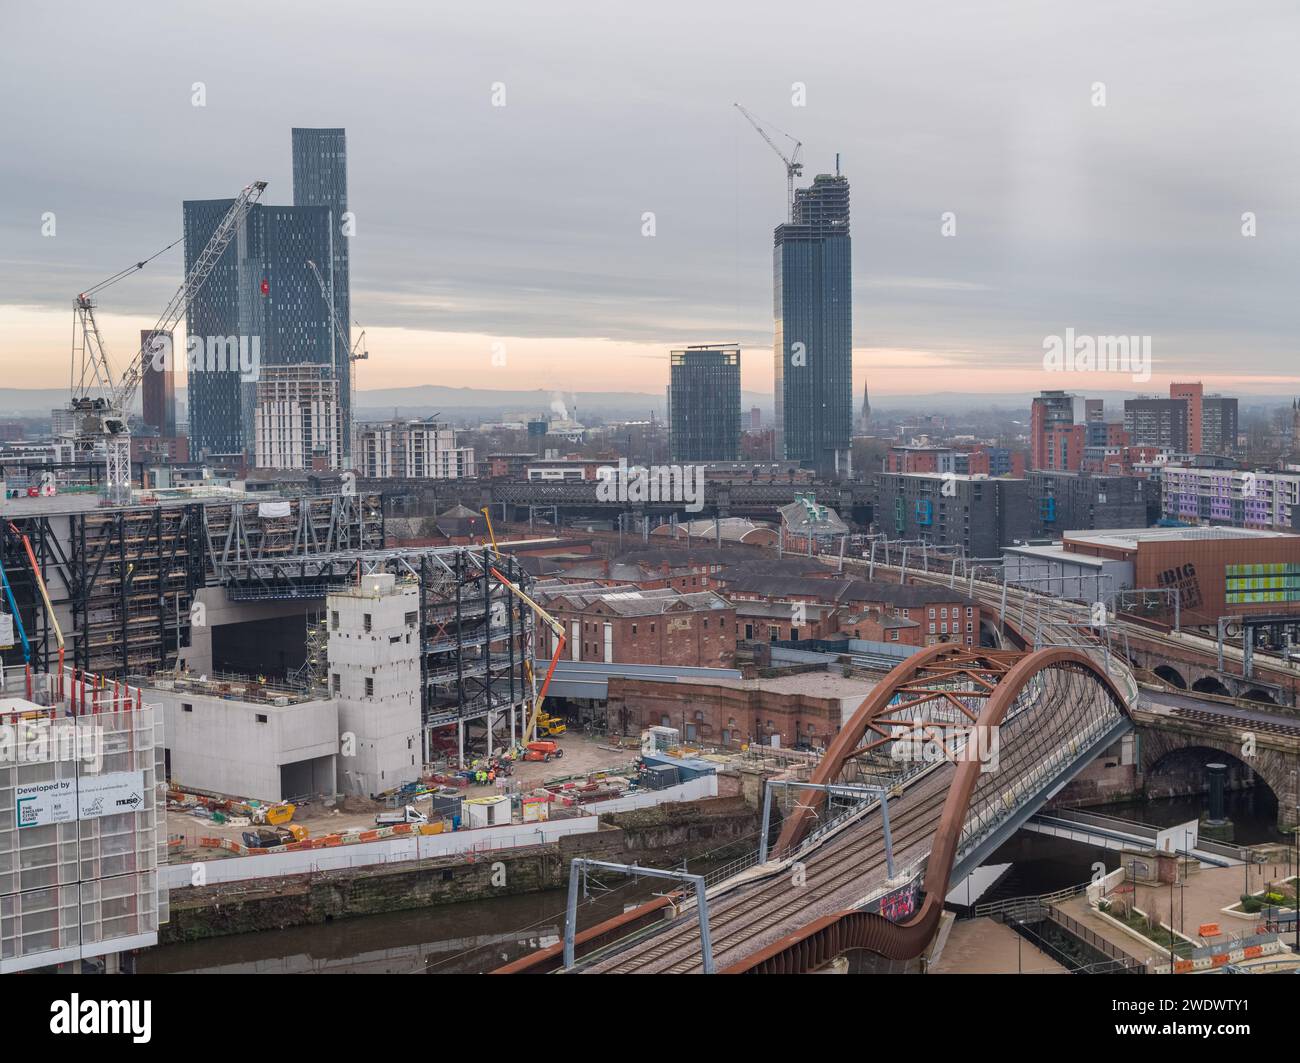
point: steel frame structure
(581, 864)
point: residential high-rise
(298, 418)
(1162, 423)
(261, 306)
(1052, 416)
(1218, 425)
(1192, 395)
(813, 349)
(220, 404)
(416, 450)
(158, 382)
(705, 404)
(320, 179)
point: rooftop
(1129, 538)
(811, 684)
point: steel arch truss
(933, 699)
(1053, 710)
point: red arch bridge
(986, 737)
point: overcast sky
(522, 224)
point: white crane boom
(104, 418)
(793, 167)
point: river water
(478, 936)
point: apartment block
(977, 514)
(1267, 501)
(299, 419)
(424, 450)
(1064, 501)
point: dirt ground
(581, 756)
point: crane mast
(793, 167)
(341, 331)
(102, 418)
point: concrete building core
(374, 669)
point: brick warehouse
(864, 609)
(657, 626)
(807, 709)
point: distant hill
(487, 403)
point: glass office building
(813, 356)
(704, 403)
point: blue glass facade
(705, 403)
(813, 350)
(320, 179)
(215, 399)
(261, 288)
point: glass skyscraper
(215, 399)
(261, 288)
(813, 355)
(320, 179)
(704, 403)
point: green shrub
(1250, 904)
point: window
(931, 627)
(893, 636)
(931, 617)
(334, 620)
(633, 629)
(370, 686)
(334, 683)
(970, 611)
(261, 717)
(365, 621)
(412, 619)
(186, 707)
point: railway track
(837, 875)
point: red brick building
(941, 614)
(807, 709)
(657, 626)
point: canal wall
(667, 833)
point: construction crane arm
(340, 330)
(763, 133)
(194, 280)
(793, 167)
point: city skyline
(582, 298)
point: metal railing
(1095, 941)
(1015, 906)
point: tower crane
(101, 400)
(341, 331)
(793, 167)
